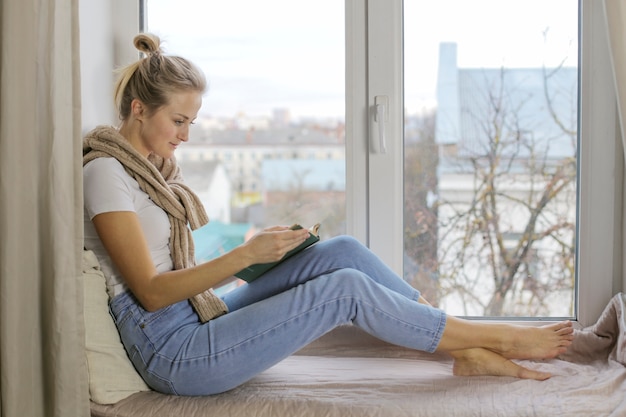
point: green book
(252, 272)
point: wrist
(242, 257)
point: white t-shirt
(107, 187)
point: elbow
(150, 307)
(151, 302)
(148, 293)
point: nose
(183, 133)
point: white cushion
(112, 376)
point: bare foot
(526, 342)
(478, 361)
(509, 340)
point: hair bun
(154, 77)
(147, 43)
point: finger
(296, 235)
(276, 228)
(298, 240)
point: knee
(345, 243)
(346, 252)
(349, 278)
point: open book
(252, 272)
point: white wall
(96, 63)
(105, 44)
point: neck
(129, 129)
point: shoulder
(106, 170)
(108, 187)
(104, 165)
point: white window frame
(374, 181)
(600, 207)
(599, 217)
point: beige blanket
(605, 340)
(348, 373)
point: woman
(182, 338)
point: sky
(261, 55)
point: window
(374, 203)
(276, 97)
(598, 201)
(491, 138)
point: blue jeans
(335, 282)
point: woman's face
(162, 131)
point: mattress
(348, 373)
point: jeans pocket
(158, 324)
(138, 326)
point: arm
(122, 236)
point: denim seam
(439, 333)
(435, 334)
(152, 374)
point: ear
(137, 109)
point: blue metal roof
(217, 238)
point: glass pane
(491, 97)
(268, 145)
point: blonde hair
(155, 77)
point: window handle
(381, 115)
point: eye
(179, 122)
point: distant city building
(210, 182)
(533, 106)
(242, 152)
(303, 174)
(261, 161)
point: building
(506, 192)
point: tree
(420, 214)
(306, 206)
(506, 236)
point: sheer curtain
(42, 360)
(615, 14)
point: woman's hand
(273, 243)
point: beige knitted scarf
(162, 181)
